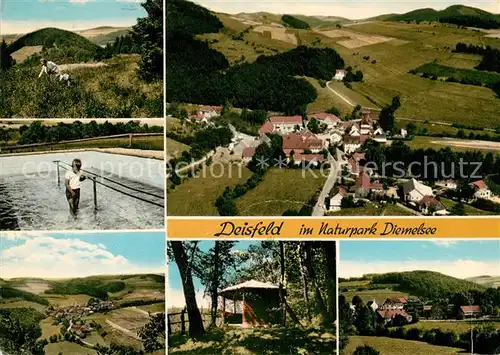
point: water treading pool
(32, 199)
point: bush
(365, 350)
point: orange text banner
(333, 228)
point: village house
(80, 330)
(427, 311)
(394, 303)
(330, 120)
(247, 155)
(355, 163)
(198, 118)
(308, 159)
(382, 138)
(336, 199)
(339, 74)
(447, 184)
(282, 124)
(353, 130)
(300, 143)
(392, 192)
(415, 191)
(387, 315)
(352, 144)
(365, 125)
(469, 312)
(481, 190)
(430, 205)
(209, 112)
(373, 305)
(364, 186)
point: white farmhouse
(330, 120)
(339, 74)
(336, 200)
(481, 190)
(415, 191)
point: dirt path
(462, 143)
(346, 100)
(70, 67)
(350, 103)
(123, 330)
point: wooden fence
(178, 322)
(130, 136)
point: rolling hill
(420, 283)
(456, 14)
(486, 280)
(56, 44)
(52, 37)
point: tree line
(429, 164)
(491, 56)
(294, 22)
(37, 132)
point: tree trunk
(303, 275)
(331, 269)
(282, 282)
(214, 284)
(320, 303)
(292, 314)
(195, 321)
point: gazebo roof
(248, 285)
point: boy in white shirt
(49, 68)
(73, 181)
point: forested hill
(200, 74)
(58, 45)
(426, 284)
(456, 14)
(54, 37)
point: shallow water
(36, 202)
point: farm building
(254, 303)
(469, 312)
(339, 74)
(415, 191)
(481, 190)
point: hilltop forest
(456, 14)
(200, 74)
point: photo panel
(334, 110)
(82, 175)
(267, 296)
(82, 293)
(81, 59)
(419, 297)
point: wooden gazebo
(260, 304)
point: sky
(351, 9)
(23, 16)
(64, 255)
(175, 294)
(461, 259)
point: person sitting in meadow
(65, 77)
(49, 68)
(73, 181)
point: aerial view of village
(439, 297)
(272, 114)
(87, 294)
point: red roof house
(298, 143)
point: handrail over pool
(94, 180)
